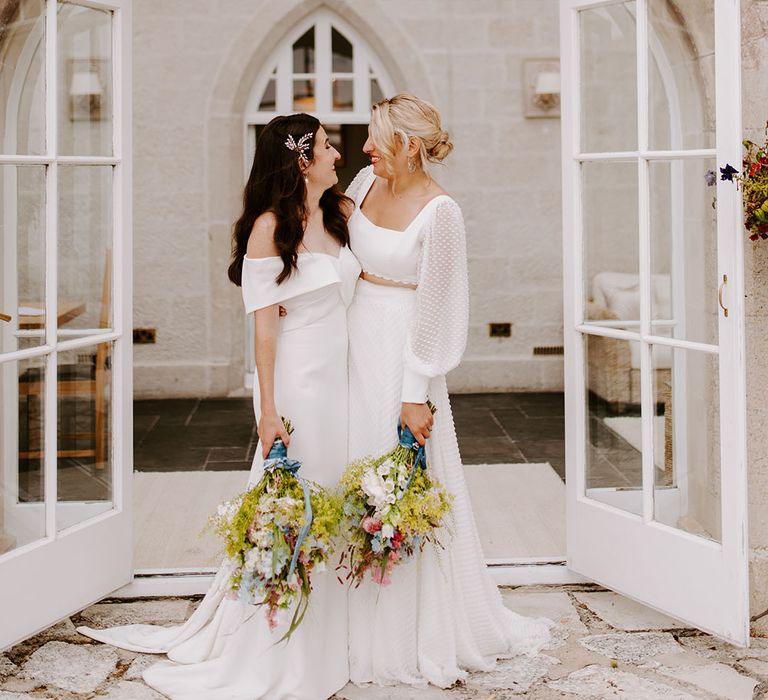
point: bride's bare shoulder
(261, 242)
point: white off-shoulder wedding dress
(442, 615)
(225, 651)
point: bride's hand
(270, 428)
(419, 419)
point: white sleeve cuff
(415, 387)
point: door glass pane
(608, 78)
(304, 95)
(22, 256)
(304, 53)
(22, 78)
(85, 434)
(85, 81)
(687, 441)
(22, 513)
(342, 52)
(342, 95)
(684, 284)
(85, 249)
(681, 77)
(611, 253)
(614, 429)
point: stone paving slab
(517, 674)
(631, 648)
(131, 690)
(554, 604)
(588, 657)
(149, 612)
(601, 682)
(625, 614)
(140, 664)
(78, 668)
(368, 692)
(719, 679)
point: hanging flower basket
(753, 181)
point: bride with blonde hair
(442, 615)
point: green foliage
(754, 186)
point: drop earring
(411, 166)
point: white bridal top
(321, 277)
(431, 253)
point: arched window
(325, 68)
(322, 67)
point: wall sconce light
(86, 91)
(541, 86)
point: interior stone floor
(211, 434)
(503, 428)
(220, 434)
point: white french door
(65, 309)
(654, 319)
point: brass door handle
(5, 317)
(720, 295)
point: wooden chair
(79, 380)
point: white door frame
(73, 566)
(697, 580)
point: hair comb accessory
(301, 147)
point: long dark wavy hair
(276, 184)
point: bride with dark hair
(290, 249)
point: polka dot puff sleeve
(356, 186)
(438, 333)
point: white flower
(373, 486)
(387, 531)
(385, 468)
(252, 558)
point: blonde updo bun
(396, 120)
(441, 149)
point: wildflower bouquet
(276, 535)
(391, 508)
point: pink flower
(394, 557)
(381, 577)
(272, 618)
(370, 525)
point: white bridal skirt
(226, 651)
(442, 615)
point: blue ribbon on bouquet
(278, 459)
(406, 439)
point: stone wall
(754, 58)
(192, 76)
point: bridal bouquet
(276, 534)
(391, 508)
